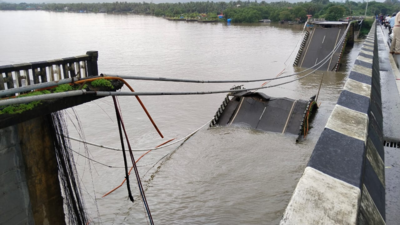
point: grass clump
(19, 108)
(102, 83)
(62, 88)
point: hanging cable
(101, 93)
(49, 85)
(317, 65)
(108, 93)
(123, 151)
(137, 98)
(320, 85)
(95, 160)
(132, 168)
(139, 150)
(134, 164)
(83, 80)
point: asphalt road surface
(322, 41)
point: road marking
(308, 45)
(330, 61)
(262, 113)
(323, 39)
(237, 111)
(290, 113)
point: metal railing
(21, 75)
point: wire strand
(139, 150)
(317, 65)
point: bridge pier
(30, 189)
(350, 35)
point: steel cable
(317, 65)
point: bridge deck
(261, 112)
(320, 43)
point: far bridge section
(324, 38)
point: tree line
(238, 11)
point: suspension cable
(317, 65)
(108, 93)
(51, 84)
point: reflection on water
(225, 175)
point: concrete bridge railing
(19, 75)
(344, 181)
(36, 174)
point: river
(225, 175)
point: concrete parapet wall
(344, 181)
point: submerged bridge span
(323, 38)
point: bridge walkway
(391, 126)
(353, 173)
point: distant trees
(320, 1)
(335, 12)
(243, 15)
(239, 11)
(285, 15)
(300, 13)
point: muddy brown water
(225, 175)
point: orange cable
(137, 97)
(126, 83)
(306, 122)
(129, 173)
(279, 74)
(308, 117)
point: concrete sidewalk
(390, 86)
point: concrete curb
(344, 181)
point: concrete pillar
(92, 63)
(350, 35)
(32, 187)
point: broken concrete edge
(344, 181)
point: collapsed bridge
(325, 39)
(261, 112)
